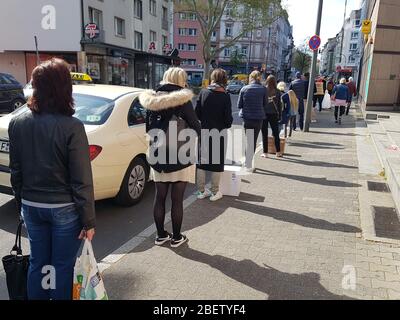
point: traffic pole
(313, 73)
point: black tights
(177, 194)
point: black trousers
(318, 99)
(252, 130)
(273, 121)
(342, 111)
(292, 123)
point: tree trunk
(207, 63)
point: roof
(105, 91)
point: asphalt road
(115, 225)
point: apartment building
(187, 39)
(268, 48)
(116, 41)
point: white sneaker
(216, 197)
(202, 195)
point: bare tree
(252, 14)
(302, 58)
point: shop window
(136, 114)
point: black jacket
(274, 105)
(49, 162)
(214, 110)
(160, 106)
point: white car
(115, 125)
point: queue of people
(54, 190)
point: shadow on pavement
(315, 163)
(320, 181)
(315, 146)
(276, 284)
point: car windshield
(91, 110)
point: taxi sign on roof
(81, 77)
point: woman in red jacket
(352, 93)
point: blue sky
(303, 17)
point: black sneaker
(161, 240)
(340, 120)
(177, 243)
(336, 121)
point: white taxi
(115, 125)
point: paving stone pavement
(294, 233)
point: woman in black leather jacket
(52, 179)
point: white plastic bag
(326, 103)
(88, 283)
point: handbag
(16, 268)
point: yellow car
(115, 125)
(241, 77)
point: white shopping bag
(88, 283)
(326, 103)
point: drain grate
(378, 186)
(371, 116)
(387, 224)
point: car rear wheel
(133, 184)
(16, 104)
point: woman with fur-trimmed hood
(171, 101)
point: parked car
(115, 125)
(77, 78)
(11, 93)
(234, 86)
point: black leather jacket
(49, 162)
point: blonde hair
(281, 86)
(294, 102)
(176, 76)
(343, 81)
(255, 76)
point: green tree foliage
(253, 14)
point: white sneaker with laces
(216, 197)
(202, 195)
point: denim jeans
(53, 236)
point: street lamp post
(313, 72)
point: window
(259, 33)
(96, 16)
(153, 7)
(182, 31)
(138, 40)
(164, 40)
(119, 27)
(164, 13)
(352, 59)
(92, 110)
(214, 34)
(136, 114)
(354, 35)
(192, 16)
(138, 8)
(248, 34)
(228, 30)
(357, 23)
(192, 32)
(227, 52)
(245, 50)
(153, 36)
(181, 46)
(182, 16)
(192, 47)
(353, 46)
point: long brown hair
(52, 88)
(271, 85)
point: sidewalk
(289, 235)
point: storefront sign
(152, 46)
(366, 27)
(92, 30)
